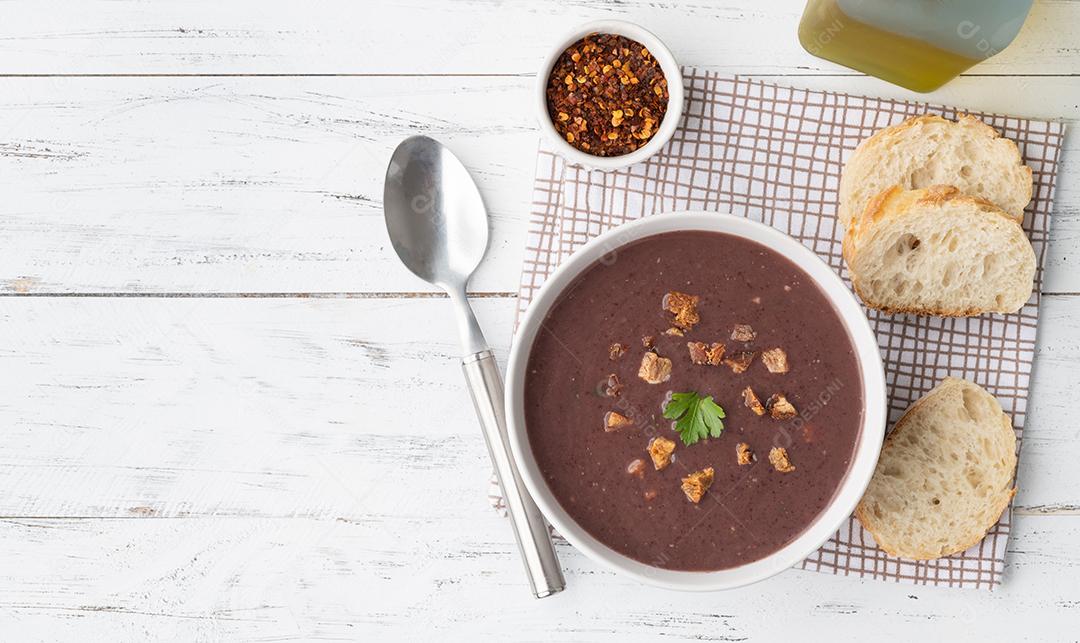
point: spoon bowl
(434, 213)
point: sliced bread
(937, 252)
(944, 476)
(930, 150)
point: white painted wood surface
(211, 363)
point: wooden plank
(433, 36)
(409, 575)
(275, 184)
(292, 407)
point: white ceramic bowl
(866, 451)
(675, 95)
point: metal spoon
(438, 226)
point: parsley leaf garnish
(697, 417)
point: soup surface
(598, 381)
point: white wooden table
(227, 412)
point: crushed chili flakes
(607, 95)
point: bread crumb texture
(944, 476)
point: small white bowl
(866, 450)
(671, 119)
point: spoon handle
(533, 537)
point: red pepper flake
(607, 95)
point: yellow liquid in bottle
(828, 32)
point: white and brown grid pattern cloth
(774, 154)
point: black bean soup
(714, 315)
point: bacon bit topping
(743, 333)
(654, 369)
(684, 307)
(649, 495)
(702, 353)
(636, 467)
(751, 401)
(740, 361)
(660, 450)
(615, 351)
(697, 483)
(743, 453)
(674, 332)
(613, 421)
(697, 352)
(715, 354)
(778, 458)
(779, 408)
(775, 360)
(614, 386)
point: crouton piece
(743, 453)
(697, 483)
(778, 458)
(613, 421)
(697, 352)
(660, 450)
(647, 341)
(615, 351)
(751, 401)
(684, 307)
(654, 369)
(636, 467)
(775, 360)
(715, 354)
(702, 353)
(740, 361)
(674, 332)
(743, 333)
(614, 386)
(779, 407)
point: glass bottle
(918, 44)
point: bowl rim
(871, 434)
(668, 125)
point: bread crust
(925, 554)
(860, 163)
(865, 517)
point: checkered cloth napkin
(774, 154)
